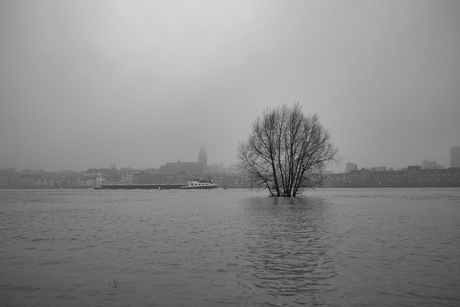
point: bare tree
(286, 152)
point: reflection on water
(342, 247)
(286, 251)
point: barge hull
(141, 187)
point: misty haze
(125, 125)
(142, 83)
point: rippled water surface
(330, 247)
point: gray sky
(140, 83)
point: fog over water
(140, 83)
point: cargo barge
(139, 186)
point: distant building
(127, 178)
(85, 181)
(92, 172)
(455, 156)
(190, 168)
(351, 167)
(428, 164)
(413, 173)
(413, 176)
(203, 157)
(29, 180)
(100, 180)
(380, 169)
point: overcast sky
(141, 83)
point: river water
(329, 247)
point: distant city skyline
(201, 156)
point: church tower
(203, 157)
